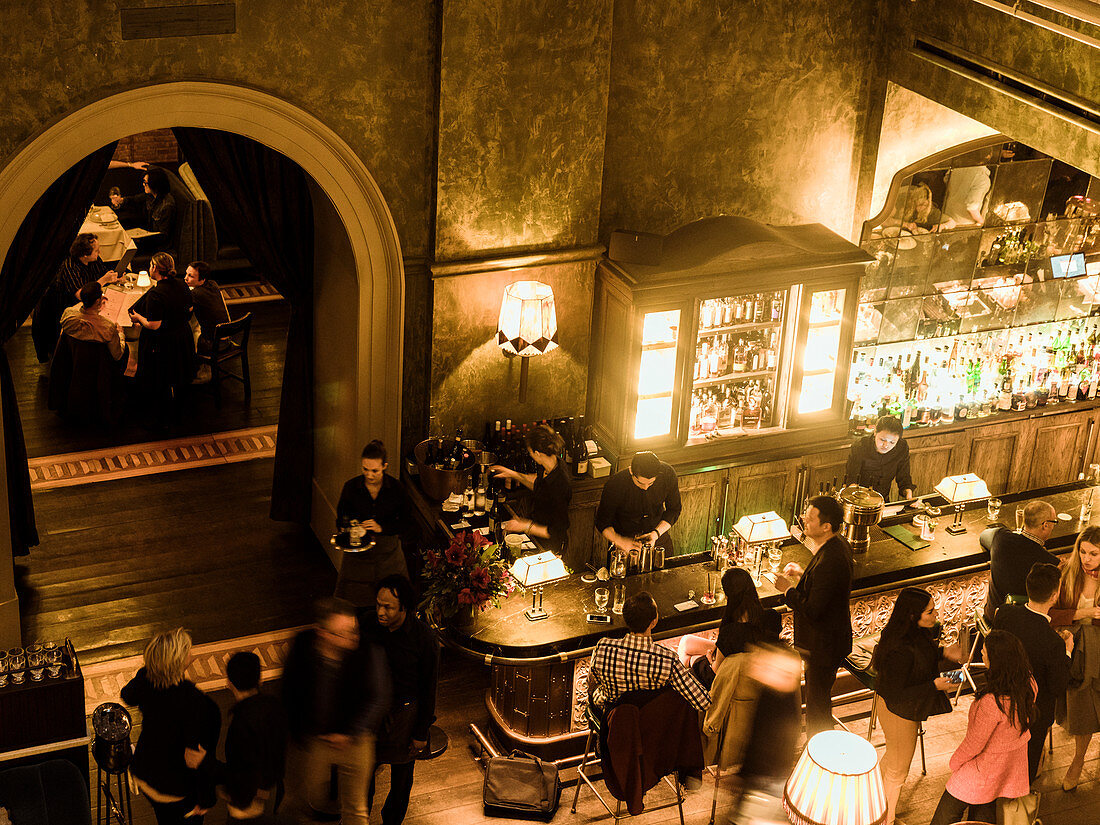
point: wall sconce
(836, 782)
(958, 490)
(533, 573)
(528, 324)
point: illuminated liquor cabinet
(739, 336)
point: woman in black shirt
(552, 490)
(906, 663)
(175, 715)
(166, 348)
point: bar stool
(591, 748)
(982, 627)
(112, 752)
(858, 663)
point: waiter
(877, 460)
(380, 505)
(639, 506)
(549, 519)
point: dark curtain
(36, 253)
(263, 200)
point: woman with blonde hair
(176, 715)
(166, 346)
(1076, 607)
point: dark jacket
(822, 620)
(1011, 557)
(1045, 651)
(361, 690)
(391, 509)
(870, 468)
(904, 676)
(255, 748)
(166, 356)
(173, 719)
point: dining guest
(154, 210)
(991, 761)
(208, 303)
(552, 490)
(175, 716)
(1077, 607)
(82, 266)
(166, 348)
(908, 683)
(84, 321)
(380, 505)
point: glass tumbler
(993, 508)
(602, 597)
(775, 556)
(620, 598)
(710, 586)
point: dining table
(114, 239)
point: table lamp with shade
(528, 325)
(836, 781)
(533, 573)
(958, 490)
(760, 531)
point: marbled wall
(367, 70)
(735, 107)
(914, 127)
(472, 380)
(523, 100)
(1040, 55)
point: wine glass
(602, 596)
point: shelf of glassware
(736, 365)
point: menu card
(118, 305)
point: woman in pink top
(991, 762)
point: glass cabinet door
(654, 413)
(816, 390)
(736, 365)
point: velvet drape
(263, 199)
(39, 247)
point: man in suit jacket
(818, 597)
(1048, 653)
(1012, 554)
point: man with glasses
(1012, 555)
(639, 506)
(336, 693)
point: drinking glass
(3, 678)
(1093, 475)
(993, 508)
(52, 651)
(602, 595)
(620, 598)
(1019, 519)
(17, 659)
(3, 661)
(1086, 510)
(775, 555)
(709, 587)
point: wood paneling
(760, 488)
(930, 463)
(992, 457)
(1056, 455)
(701, 494)
(534, 701)
(585, 544)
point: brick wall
(157, 146)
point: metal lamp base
(535, 614)
(955, 529)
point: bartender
(638, 506)
(379, 504)
(877, 460)
(549, 519)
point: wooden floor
(47, 434)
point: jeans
(901, 742)
(397, 800)
(308, 769)
(951, 810)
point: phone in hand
(955, 677)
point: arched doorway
(355, 198)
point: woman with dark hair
(745, 622)
(166, 347)
(991, 761)
(155, 210)
(1076, 606)
(906, 664)
(551, 487)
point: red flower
(480, 578)
(465, 596)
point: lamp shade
(528, 323)
(967, 487)
(538, 569)
(836, 782)
(762, 527)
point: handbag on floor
(519, 784)
(1022, 811)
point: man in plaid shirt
(636, 663)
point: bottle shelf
(733, 376)
(763, 325)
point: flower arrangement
(467, 576)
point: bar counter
(539, 669)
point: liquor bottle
(739, 353)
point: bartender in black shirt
(877, 460)
(552, 491)
(640, 504)
(380, 505)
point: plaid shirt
(636, 663)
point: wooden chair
(230, 343)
